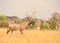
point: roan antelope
(20, 26)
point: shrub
(3, 24)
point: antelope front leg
(8, 31)
(21, 31)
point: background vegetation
(52, 23)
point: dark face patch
(29, 23)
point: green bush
(3, 24)
(53, 26)
(32, 24)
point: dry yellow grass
(30, 36)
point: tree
(53, 21)
(42, 25)
(32, 22)
(12, 17)
(3, 22)
(56, 16)
(3, 17)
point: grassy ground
(30, 36)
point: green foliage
(3, 24)
(42, 26)
(2, 17)
(53, 25)
(32, 23)
(56, 17)
(12, 17)
(49, 24)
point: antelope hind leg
(8, 31)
